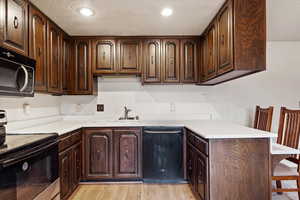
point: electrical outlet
(172, 107)
(100, 107)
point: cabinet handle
(16, 22)
(39, 51)
(222, 39)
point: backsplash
(41, 106)
(148, 102)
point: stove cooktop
(21, 142)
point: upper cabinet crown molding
(240, 39)
(14, 25)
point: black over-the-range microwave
(17, 74)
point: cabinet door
(189, 64)
(171, 61)
(38, 47)
(210, 52)
(129, 56)
(201, 186)
(67, 72)
(98, 154)
(76, 165)
(14, 14)
(151, 61)
(83, 69)
(128, 150)
(201, 60)
(225, 46)
(54, 59)
(104, 54)
(190, 164)
(65, 173)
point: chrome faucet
(126, 115)
(126, 111)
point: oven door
(25, 178)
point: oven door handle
(26, 78)
(162, 132)
(31, 154)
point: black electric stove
(20, 143)
(28, 165)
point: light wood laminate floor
(148, 192)
(133, 192)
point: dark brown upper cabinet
(67, 70)
(210, 52)
(104, 52)
(240, 39)
(129, 56)
(151, 61)
(128, 152)
(54, 71)
(38, 47)
(171, 61)
(98, 154)
(14, 21)
(225, 54)
(83, 68)
(189, 61)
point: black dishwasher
(163, 155)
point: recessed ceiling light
(166, 12)
(86, 12)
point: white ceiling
(131, 17)
(142, 17)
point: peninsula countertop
(209, 129)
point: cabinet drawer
(197, 142)
(68, 140)
(76, 137)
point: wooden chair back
(263, 118)
(289, 128)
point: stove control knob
(25, 166)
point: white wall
(41, 106)
(278, 86)
(149, 102)
(234, 101)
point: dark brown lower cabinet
(127, 152)
(70, 148)
(98, 154)
(64, 173)
(232, 169)
(197, 172)
(112, 153)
